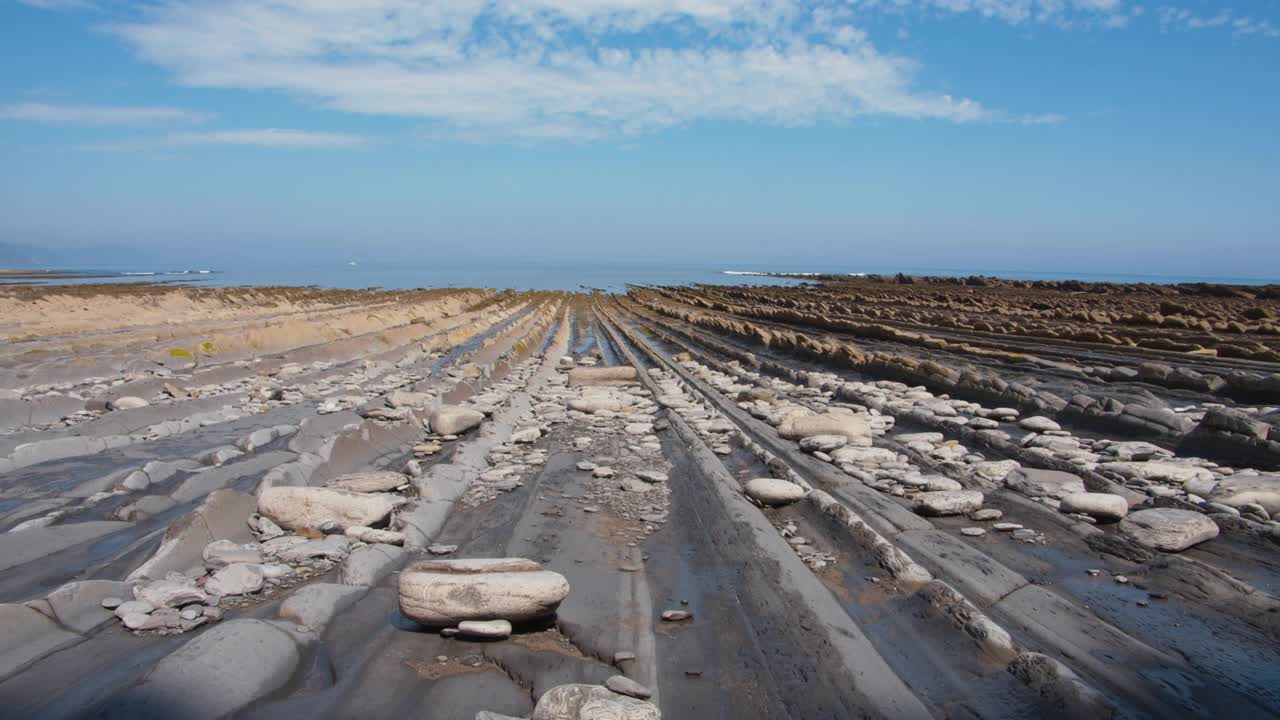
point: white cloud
(97, 114)
(552, 68)
(255, 137)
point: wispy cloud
(254, 137)
(59, 4)
(97, 114)
(1226, 19)
(554, 68)
(1062, 13)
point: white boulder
(312, 507)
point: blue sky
(1073, 135)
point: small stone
(488, 629)
(986, 514)
(676, 615)
(111, 603)
(623, 656)
(439, 549)
(1038, 424)
(602, 472)
(1006, 527)
(624, 685)
(973, 531)
(773, 492)
(1122, 579)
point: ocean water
(546, 275)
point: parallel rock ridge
(536, 504)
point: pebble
(676, 615)
(111, 603)
(1006, 527)
(441, 549)
(973, 532)
(489, 629)
(623, 656)
(986, 514)
(624, 685)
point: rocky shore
(861, 497)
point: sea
(547, 275)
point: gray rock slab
(17, 548)
(223, 515)
(367, 566)
(313, 606)
(222, 670)
(26, 636)
(201, 484)
(78, 605)
(973, 573)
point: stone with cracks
(221, 553)
(369, 482)
(374, 535)
(591, 702)
(947, 502)
(855, 428)
(773, 492)
(602, 375)
(238, 579)
(1100, 506)
(595, 403)
(1169, 529)
(823, 443)
(446, 592)
(454, 420)
(1034, 482)
(1239, 490)
(311, 507)
(169, 593)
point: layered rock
(447, 592)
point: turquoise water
(612, 276)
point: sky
(1066, 135)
